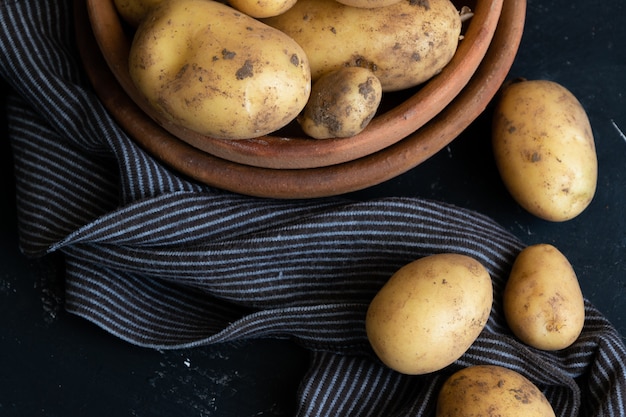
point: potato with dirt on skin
(491, 390)
(404, 44)
(342, 103)
(214, 70)
(544, 149)
(542, 300)
(429, 313)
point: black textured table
(54, 364)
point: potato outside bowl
(417, 125)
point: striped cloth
(163, 262)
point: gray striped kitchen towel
(161, 261)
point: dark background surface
(55, 364)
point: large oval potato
(544, 149)
(217, 71)
(489, 390)
(429, 313)
(542, 300)
(404, 44)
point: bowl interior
(401, 113)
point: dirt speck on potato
(361, 62)
(367, 90)
(246, 70)
(226, 54)
(422, 3)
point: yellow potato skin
(489, 390)
(544, 149)
(368, 4)
(429, 313)
(542, 300)
(262, 8)
(133, 11)
(212, 69)
(342, 103)
(404, 44)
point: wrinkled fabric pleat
(163, 262)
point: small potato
(429, 313)
(544, 149)
(212, 69)
(262, 8)
(489, 390)
(542, 300)
(342, 103)
(404, 44)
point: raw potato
(429, 313)
(488, 390)
(544, 149)
(262, 8)
(342, 103)
(543, 302)
(212, 69)
(133, 11)
(404, 44)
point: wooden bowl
(297, 167)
